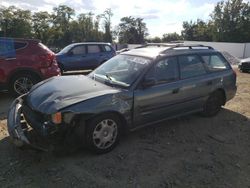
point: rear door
(195, 82)
(95, 55)
(160, 100)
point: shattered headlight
(56, 118)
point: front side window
(164, 71)
(215, 62)
(78, 50)
(93, 49)
(121, 70)
(191, 66)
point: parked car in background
(244, 65)
(23, 63)
(87, 55)
(134, 89)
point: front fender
(121, 103)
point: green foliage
(57, 29)
(230, 22)
(132, 30)
(15, 22)
(168, 37)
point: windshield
(121, 70)
(66, 49)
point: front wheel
(213, 104)
(103, 133)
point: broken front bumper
(15, 129)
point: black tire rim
(22, 85)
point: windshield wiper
(109, 77)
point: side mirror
(148, 82)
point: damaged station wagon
(134, 89)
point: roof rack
(192, 46)
(157, 45)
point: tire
(22, 83)
(213, 104)
(103, 133)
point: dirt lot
(187, 152)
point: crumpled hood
(57, 93)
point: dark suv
(87, 55)
(131, 90)
(24, 62)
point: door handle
(175, 90)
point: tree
(168, 37)
(231, 20)
(107, 25)
(41, 25)
(132, 30)
(15, 22)
(61, 25)
(197, 31)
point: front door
(160, 100)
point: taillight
(46, 59)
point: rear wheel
(102, 133)
(22, 83)
(213, 104)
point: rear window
(107, 48)
(215, 62)
(93, 49)
(19, 45)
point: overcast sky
(161, 16)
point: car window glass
(214, 62)
(164, 71)
(19, 45)
(7, 48)
(107, 48)
(78, 50)
(191, 66)
(93, 49)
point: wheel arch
(89, 116)
(24, 71)
(222, 91)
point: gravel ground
(186, 152)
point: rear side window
(19, 45)
(107, 48)
(93, 49)
(79, 50)
(215, 62)
(191, 66)
(165, 71)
